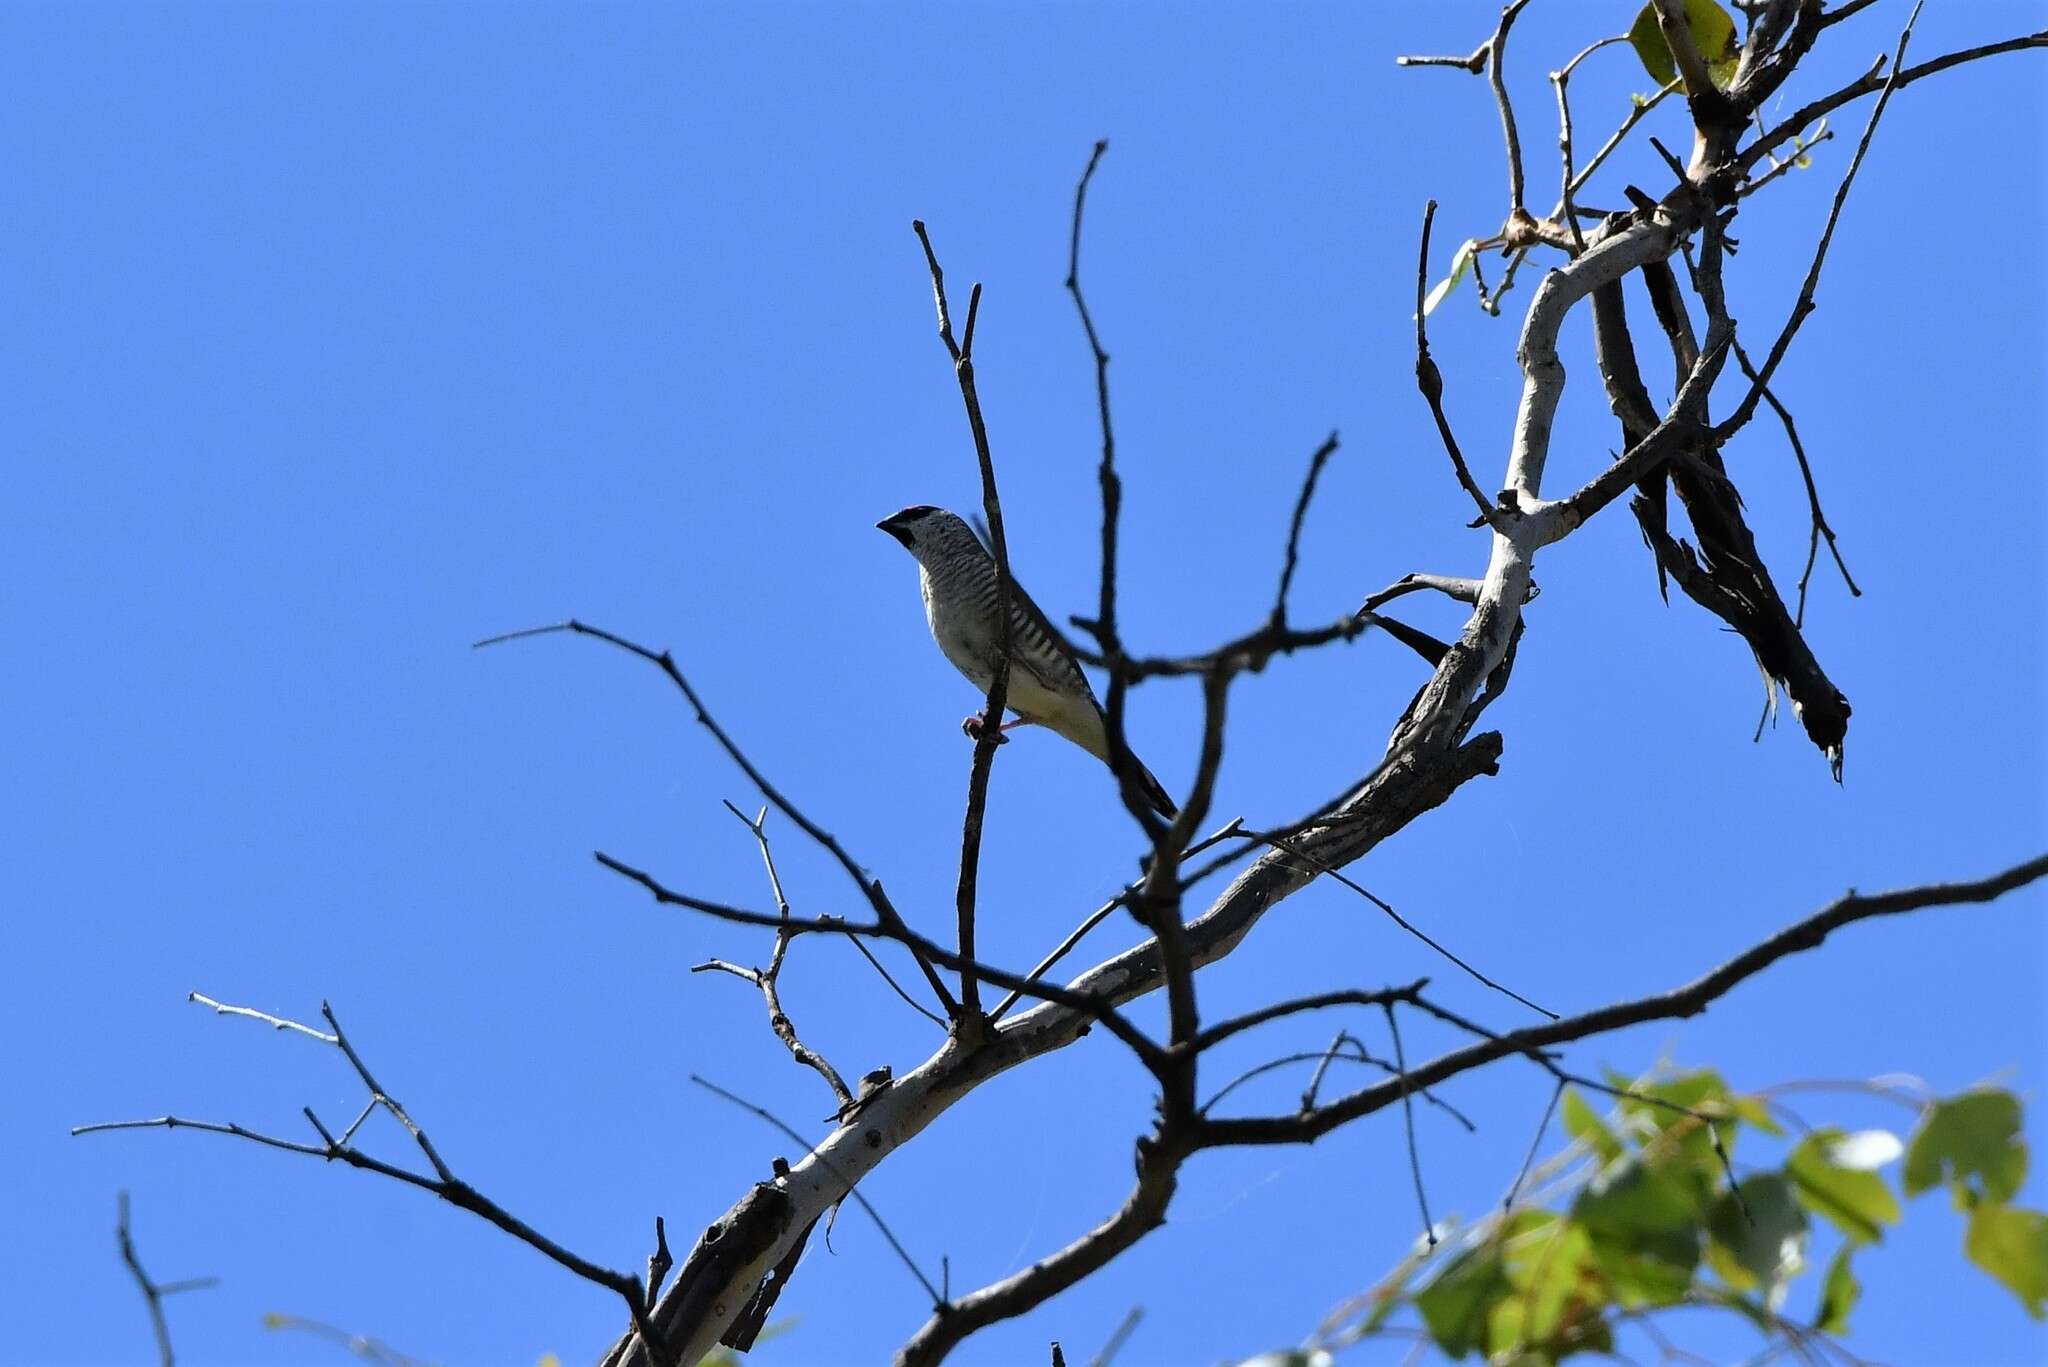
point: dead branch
(443, 1183)
(870, 887)
(153, 1293)
(989, 735)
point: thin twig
(1286, 846)
(443, 1183)
(1497, 57)
(1121, 762)
(361, 1345)
(1872, 81)
(1804, 304)
(1818, 522)
(860, 944)
(1687, 1000)
(152, 1293)
(1431, 382)
(1119, 1337)
(870, 887)
(989, 735)
(1636, 114)
(250, 1013)
(767, 980)
(1408, 1121)
(1301, 502)
(1102, 913)
(1559, 79)
(1535, 1142)
(1148, 1051)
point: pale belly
(970, 643)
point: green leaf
(1713, 33)
(1849, 1196)
(1548, 1269)
(2011, 1243)
(1670, 1130)
(1759, 1241)
(1701, 1090)
(1460, 263)
(1756, 1113)
(1838, 1294)
(1456, 1306)
(1589, 1129)
(1972, 1136)
(1643, 1221)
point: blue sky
(346, 335)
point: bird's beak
(896, 529)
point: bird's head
(923, 529)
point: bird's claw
(974, 726)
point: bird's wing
(1036, 644)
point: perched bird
(958, 577)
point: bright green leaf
(1460, 263)
(1972, 1136)
(1756, 1113)
(1838, 1294)
(1456, 1306)
(1583, 1125)
(1803, 162)
(1713, 33)
(2011, 1243)
(1670, 1130)
(1548, 1271)
(1855, 1201)
(1759, 1241)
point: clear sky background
(343, 335)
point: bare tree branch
(989, 734)
(766, 979)
(1301, 502)
(852, 1187)
(1804, 304)
(443, 1183)
(361, 1345)
(153, 1293)
(1872, 82)
(1430, 381)
(1680, 1002)
(1097, 1009)
(871, 888)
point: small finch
(959, 580)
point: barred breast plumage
(961, 590)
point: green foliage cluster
(1713, 34)
(1638, 1216)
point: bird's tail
(1155, 792)
(1093, 736)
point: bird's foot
(975, 724)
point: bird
(959, 581)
